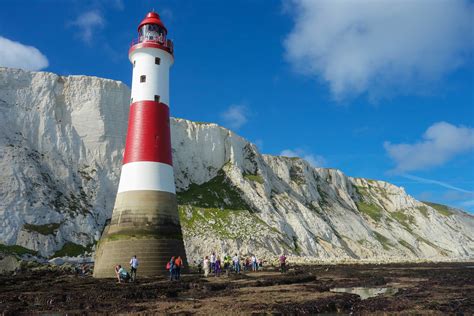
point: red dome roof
(152, 18)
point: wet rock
(9, 264)
(57, 261)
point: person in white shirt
(207, 266)
(133, 267)
(254, 263)
(236, 261)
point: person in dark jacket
(172, 268)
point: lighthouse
(145, 220)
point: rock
(62, 141)
(9, 264)
(57, 261)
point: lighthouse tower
(145, 219)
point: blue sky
(381, 90)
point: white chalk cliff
(61, 145)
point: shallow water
(366, 292)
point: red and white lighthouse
(145, 219)
(147, 163)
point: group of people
(122, 274)
(211, 264)
(174, 266)
(214, 265)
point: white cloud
(441, 142)
(16, 55)
(379, 46)
(88, 23)
(453, 195)
(440, 183)
(235, 116)
(313, 160)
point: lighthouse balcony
(153, 41)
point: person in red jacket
(179, 264)
(282, 260)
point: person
(217, 267)
(282, 260)
(172, 268)
(226, 262)
(246, 264)
(207, 266)
(121, 273)
(254, 263)
(179, 264)
(236, 261)
(213, 261)
(199, 266)
(133, 268)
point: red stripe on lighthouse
(148, 136)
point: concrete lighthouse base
(145, 224)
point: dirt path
(422, 288)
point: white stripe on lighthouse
(156, 76)
(147, 175)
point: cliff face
(61, 143)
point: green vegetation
(296, 245)
(215, 208)
(227, 224)
(142, 235)
(216, 193)
(429, 243)
(384, 241)
(372, 186)
(72, 203)
(254, 177)
(372, 210)
(324, 197)
(15, 249)
(361, 241)
(419, 238)
(442, 209)
(407, 245)
(71, 249)
(365, 206)
(382, 192)
(219, 220)
(296, 175)
(404, 219)
(361, 191)
(423, 210)
(47, 229)
(315, 209)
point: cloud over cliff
(378, 47)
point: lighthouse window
(134, 62)
(157, 60)
(143, 78)
(157, 98)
